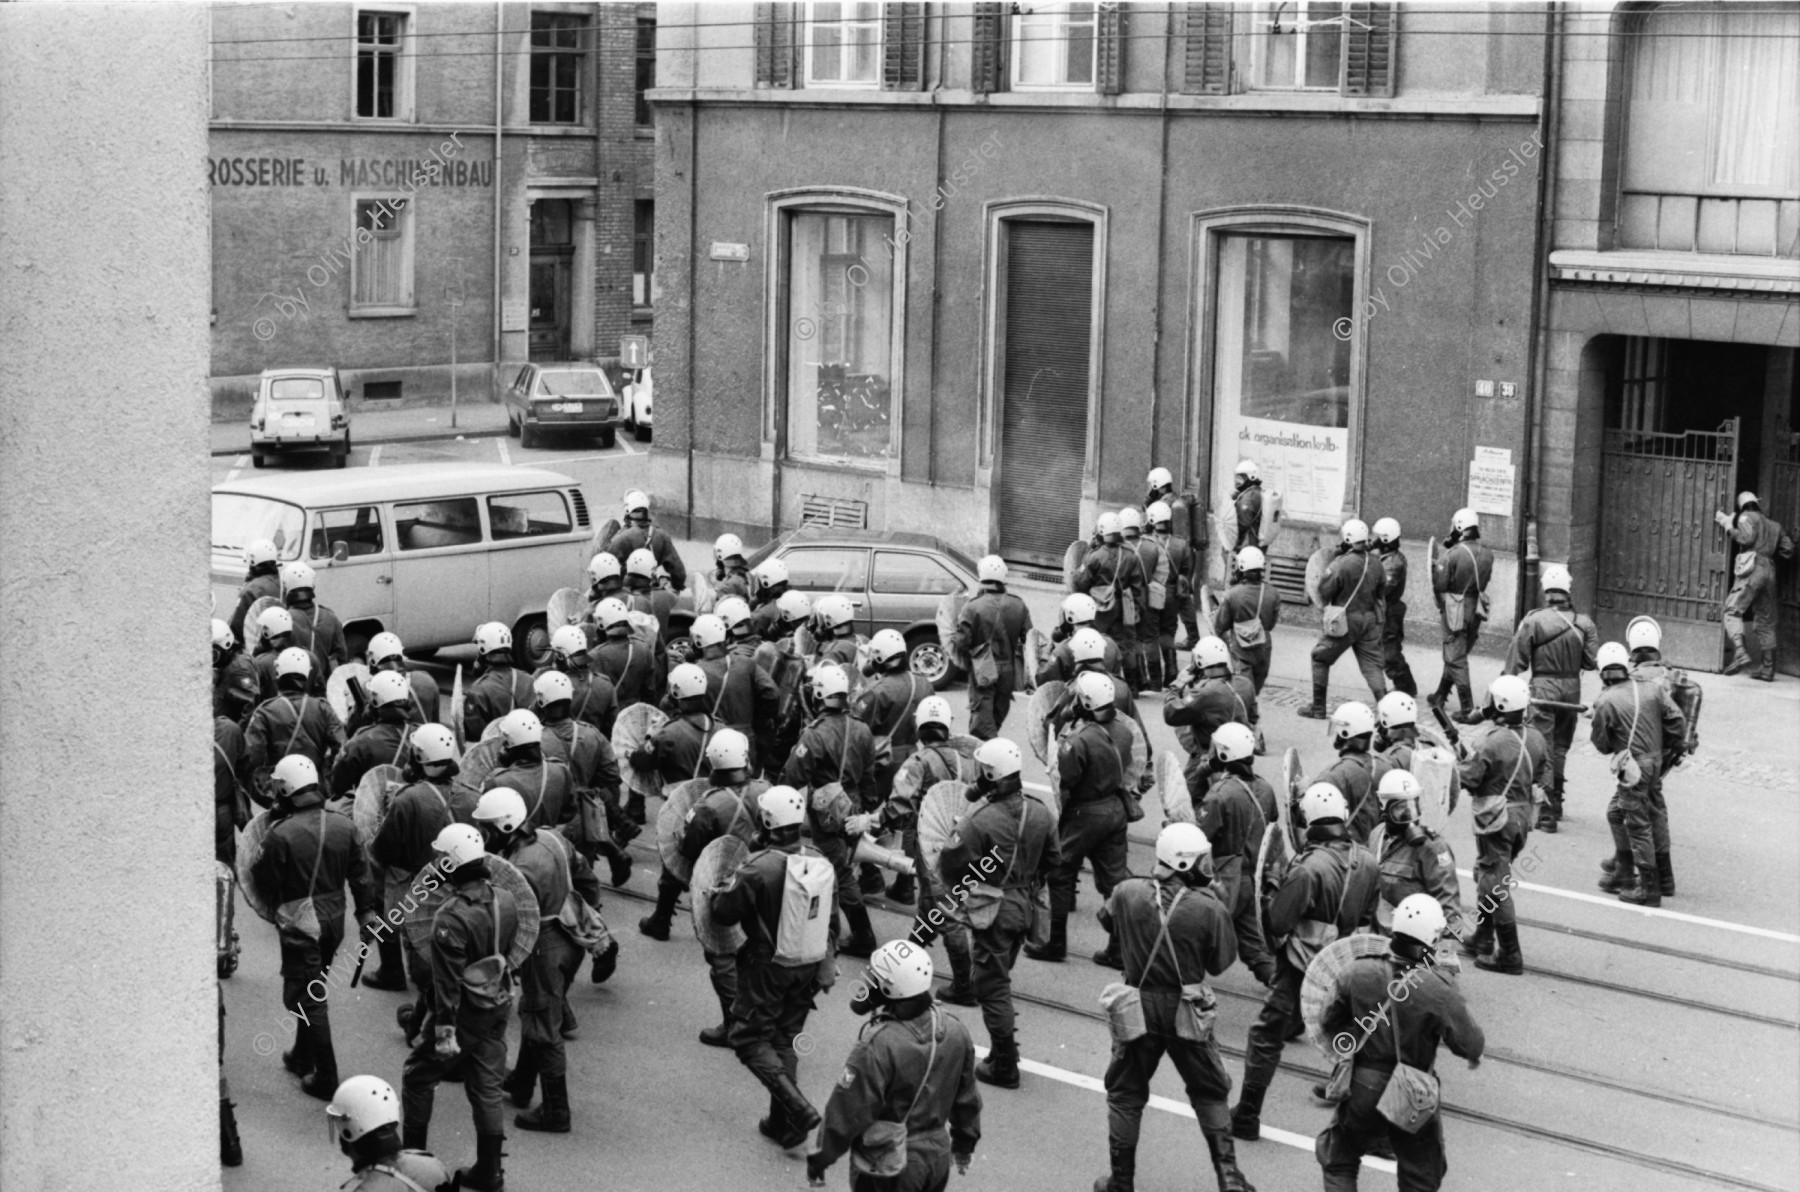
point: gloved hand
(1473, 1064)
(1145, 782)
(859, 824)
(446, 1042)
(962, 1163)
(369, 921)
(815, 1170)
(1723, 518)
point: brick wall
(624, 175)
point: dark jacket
(887, 707)
(381, 744)
(1200, 943)
(1638, 715)
(495, 692)
(927, 765)
(1247, 506)
(1234, 814)
(463, 932)
(415, 816)
(1332, 880)
(740, 694)
(318, 629)
(304, 724)
(1119, 572)
(722, 811)
(989, 846)
(1493, 766)
(303, 837)
(655, 540)
(254, 589)
(753, 899)
(1243, 602)
(1354, 580)
(1554, 642)
(677, 750)
(231, 788)
(593, 702)
(628, 666)
(1060, 666)
(1091, 762)
(1356, 775)
(1221, 700)
(1432, 1011)
(834, 747)
(546, 787)
(886, 1079)
(1421, 866)
(1462, 573)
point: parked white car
(637, 405)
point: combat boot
(1316, 709)
(775, 1125)
(1246, 1117)
(413, 1135)
(1665, 875)
(1740, 657)
(1766, 670)
(904, 891)
(1645, 893)
(1123, 1176)
(800, 1116)
(231, 1150)
(656, 923)
(390, 975)
(1469, 714)
(1108, 957)
(1058, 946)
(323, 1081)
(862, 942)
(486, 1175)
(1224, 1161)
(1482, 942)
(717, 1036)
(520, 1084)
(1507, 959)
(552, 1117)
(1619, 875)
(1001, 1067)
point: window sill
(382, 312)
(1053, 88)
(840, 85)
(839, 463)
(644, 132)
(642, 314)
(379, 121)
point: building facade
(1673, 312)
(974, 270)
(397, 186)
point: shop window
(643, 255)
(381, 260)
(843, 44)
(558, 66)
(383, 74)
(1054, 46)
(840, 279)
(646, 69)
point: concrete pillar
(108, 1028)
(581, 298)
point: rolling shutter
(1369, 48)
(776, 58)
(1044, 408)
(1206, 50)
(988, 59)
(903, 46)
(1110, 53)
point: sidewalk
(474, 420)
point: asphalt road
(1642, 1051)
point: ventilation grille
(581, 513)
(381, 390)
(834, 512)
(1288, 574)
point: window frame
(809, 46)
(483, 533)
(408, 305)
(957, 584)
(583, 26)
(406, 55)
(644, 113)
(496, 536)
(317, 516)
(788, 556)
(643, 243)
(1259, 49)
(1016, 36)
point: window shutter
(989, 57)
(1109, 65)
(1369, 40)
(903, 46)
(775, 43)
(1206, 65)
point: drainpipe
(1549, 122)
(937, 255)
(499, 116)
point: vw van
(299, 410)
(427, 551)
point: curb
(433, 437)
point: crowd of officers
(809, 745)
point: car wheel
(642, 433)
(609, 437)
(259, 461)
(929, 660)
(531, 638)
(512, 427)
(528, 435)
(340, 459)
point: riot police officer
(499, 687)
(1760, 542)
(1247, 506)
(837, 747)
(294, 723)
(1185, 507)
(364, 1119)
(1177, 607)
(1459, 582)
(1413, 858)
(731, 575)
(260, 580)
(1246, 616)
(543, 782)
(316, 627)
(1235, 813)
(992, 626)
(1357, 772)
(625, 662)
(1113, 575)
(386, 653)
(730, 808)
(1393, 597)
(591, 697)
(1639, 724)
(1397, 729)
(1556, 643)
(382, 742)
(1351, 592)
(1216, 697)
(768, 583)
(637, 534)
(1500, 771)
(1076, 613)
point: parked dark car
(561, 398)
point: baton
(1552, 703)
(356, 976)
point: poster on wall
(1308, 465)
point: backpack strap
(1166, 917)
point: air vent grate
(834, 512)
(381, 391)
(1288, 574)
(581, 512)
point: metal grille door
(1660, 552)
(1044, 406)
(1784, 507)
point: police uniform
(1753, 593)
(318, 629)
(730, 581)
(1235, 815)
(1461, 577)
(834, 747)
(1158, 617)
(1117, 574)
(407, 1171)
(269, 684)
(1393, 620)
(555, 870)
(930, 763)
(740, 695)
(593, 701)
(1354, 582)
(1185, 507)
(1556, 644)
(1247, 506)
(1061, 667)
(1178, 606)
(1402, 742)
(1638, 715)
(545, 785)
(1431, 1011)
(262, 581)
(1356, 774)
(1416, 860)
(1502, 767)
(765, 618)
(677, 750)
(1199, 712)
(402, 848)
(999, 621)
(236, 673)
(1245, 621)
(497, 690)
(594, 775)
(382, 743)
(231, 787)
(1068, 710)
(630, 667)
(723, 811)
(887, 707)
(918, 1070)
(1198, 942)
(1090, 769)
(290, 724)
(633, 537)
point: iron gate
(1784, 507)
(1660, 552)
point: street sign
(634, 351)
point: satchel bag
(1251, 632)
(1312, 937)
(1337, 616)
(487, 983)
(1124, 1004)
(1456, 612)
(1488, 812)
(299, 917)
(983, 670)
(981, 902)
(1624, 764)
(880, 1151)
(1411, 1096)
(1134, 805)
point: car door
(817, 570)
(906, 587)
(360, 585)
(440, 570)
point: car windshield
(296, 389)
(239, 520)
(574, 382)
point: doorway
(552, 261)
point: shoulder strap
(723, 684)
(1165, 916)
(1523, 752)
(705, 736)
(319, 859)
(1350, 868)
(384, 1169)
(930, 1059)
(1474, 565)
(299, 720)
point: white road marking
(505, 455)
(233, 474)
(1658, 912)
(375, 456)
(1300, 1142)
(627, 446)
(241, 461)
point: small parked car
(571, 398)
(895, 579)
(637, 395)
(299, 411)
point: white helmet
(794, 606)
(1748, 498)
(1130, 519)
(1397, 708)
(887, 646)
(1323, 801)
(293, 661)
(552, 687)
(1181, 846)
(900, 969)
(491, 637)
(687, 681)
(991, 569)
(1246, 467)
(296, 575)
(636, 502)
(728, 750)
(834, 609)
(460, 844)
(221, 635)
(641, 562)
(1158, 513)
(1509, 694)
(503, 807)
(432, 743)
(782, 807)
(1233, 742)
(521, 727)
(360, 1105)
(999, 758)
(933, 709)
(389, 687)
(829, 681)
(1354, 532)
(1107, 525)
(275, 621)
(1386, 529)
(1419, 917)
(1078, 608)
(1397, 784)
(293, 774)
(1464, 519)
(1251, 559)
(707, 630)
(1554, 578)
(611, 612)
(568, 641)
(603, 567)
(382, 647)
(728, 546)
(1095, 690)
(260, 551)
(1211, 651)
(1087, 645)
(733, 611)
(1159, 478)
(1613, 654)
(1351, 720)
(770, 572)
(1643, 634)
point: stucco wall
(108, 1072)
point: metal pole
(455, 309)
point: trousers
(1235, 884)
(1128, 1076)
(543, 990)
(1639, 819)
(481, 1034)
(1494, 853)
(1358, 1124)
(1253, 662)
(305, 984)
(1457, 644)
(772, 1003)
(995, 948)
(1093, 830)
(988, 706)
(1364, 637)
(1557, 724)
(1753, 597)
(1268, 1034)
(1393, 650)
(927, 1170)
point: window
(297, 389)
(1281, 370)
(423, 525)
(1299, 44)
(381, 262)
(840, 335)
(382, 82)
(359, 529)
(528, 515)
(643, 255)
(573, 382)
(912, 575)
(239, 520)
(558, 62)
(1054, 46)
(843, 44)
(822, 569)
(646, 68)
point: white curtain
(1756, 132)
(840, 318)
